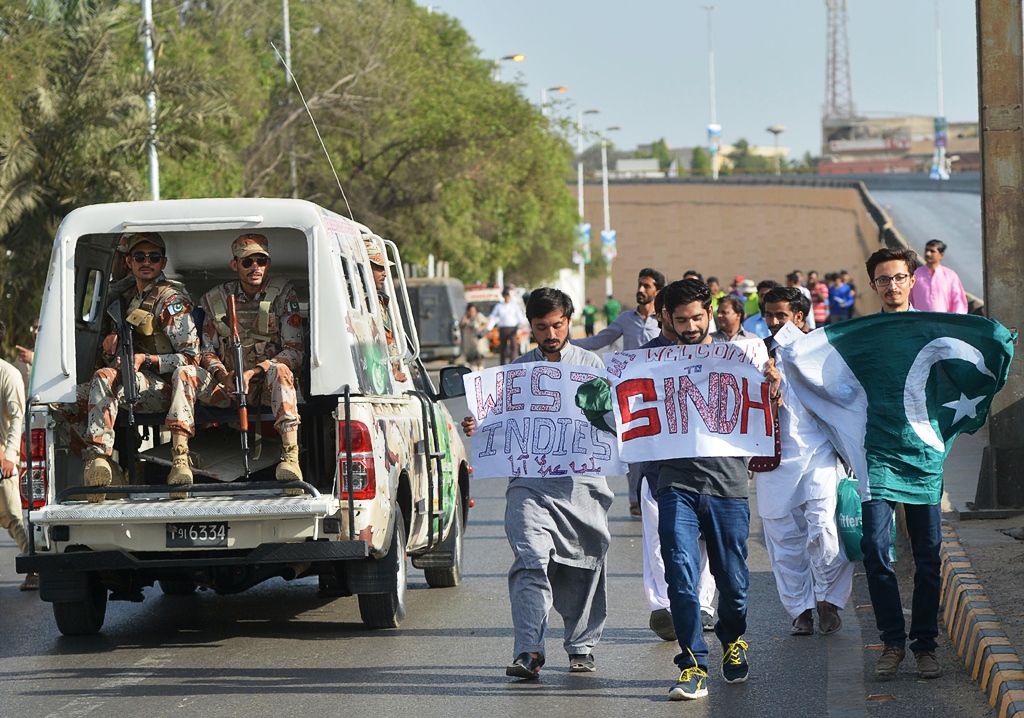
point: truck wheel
(84, 617)
(387, 610)
(177, 587)
(449, 577)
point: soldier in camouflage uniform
(164, 338)
(270, 328)
(379, 266)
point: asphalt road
(280, 650)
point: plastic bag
(850, 520)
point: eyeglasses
(261, 260)
(883, 281)
(153, 257)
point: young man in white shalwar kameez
(557, 526)
(797, 501)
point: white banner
(528, 424)
(692, 401)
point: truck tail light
(364, 478)
(34, 484)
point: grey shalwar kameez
(558, 530)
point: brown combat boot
(97, 473)
(181, 470)
(288, 469)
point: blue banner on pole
(581, 249)
(608, 248)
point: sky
(644, 63)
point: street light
(714, 130)
(582, 254)
(544, 97)
(777, 130)
(496, 69)
(607, 209)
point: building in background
(893, 145)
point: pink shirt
(939, 292)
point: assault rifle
(126, 354)
(236, 348)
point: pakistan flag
(893, 391)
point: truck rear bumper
(267, 553)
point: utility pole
(293, 172)
(1001, 130)
(714, 129)
(154, 162)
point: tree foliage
(700, 163)
(431, 152)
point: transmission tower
(838, 88)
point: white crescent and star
(915, 402)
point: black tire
(450, 577)
(85, 617)
(387, 610)
(177, 587)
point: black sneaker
(581, 663)
(692, 684)
(734, 661)
(661, 624)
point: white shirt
(506, 314)
(12, 410)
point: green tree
(700, 162)
(743, 159)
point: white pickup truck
(385, 474)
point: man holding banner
(712, 406)
(557, 501)
(797, 500)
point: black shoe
(661, 624)
(525, 666)
(581, 663)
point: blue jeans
(724, 525)
(924, 524)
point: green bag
(850, 520)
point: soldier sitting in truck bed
(164, 338)
(270, 328)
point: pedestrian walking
(589, 315)
(508, 317)
(937, 288)
(557, 526)
(797, 500)
(705, 496)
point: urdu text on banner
(528, 424)
(692, 400)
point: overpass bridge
(764, 227)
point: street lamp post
(777, 130)
(939, 170)
(582, 254)
(714, 131)
(544, 97)
(496, 69)
(607, 207)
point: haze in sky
(644, 63)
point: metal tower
(838, 88)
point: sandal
(634, 511)
(525, 666)
(31, 582)
(581, 663)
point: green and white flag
(893, 391)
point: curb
(975, 630)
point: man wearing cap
(164, 338)
(379, 266)
(270, 327)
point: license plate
(209, 535)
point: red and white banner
(692, 401)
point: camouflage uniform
(171, 340)
(270, 328)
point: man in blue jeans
(705, 497)
(892, 276)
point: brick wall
(761, 232)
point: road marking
(133, 676)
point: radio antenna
(315, 128)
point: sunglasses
(153, 257)
(261, 260)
